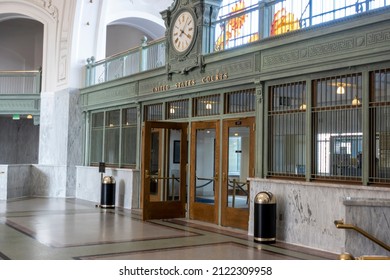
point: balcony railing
(241, 25)
(20, 82)
(143, 58)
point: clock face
(183, 32)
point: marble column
(60, 147)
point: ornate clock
(188, 24)
(183, 32)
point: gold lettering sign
(185, 84)
(161, 88)
(215, 78)
(189, 83)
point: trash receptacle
(265, 218)
(107, 199)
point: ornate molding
(47, 5)
(331, 47)
(378, 37)
(327, 49)
(7, 105)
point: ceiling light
(340, 90)
(356, 101)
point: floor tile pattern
(66, 229)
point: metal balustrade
(239, 23)
(143, 58)
(20, 82)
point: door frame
(162, 209)
(201, 211)
(236, 217)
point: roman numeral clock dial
(183, 32)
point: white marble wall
(19, 181)
(3, 181)
(88, 185)
(373, 216)
(60, 146)
(48, 180)
(306, 211)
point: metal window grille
(240, 101)
(206, 105)
(337, 128)
(380, 126)
(111, 138)
(129, 137)
(97, 133)
(177, 109)
(153, 112)
(287, 129)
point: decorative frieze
(378, 37)
(15, 105)
(109, 95)
(331, 49)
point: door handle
(147, 175)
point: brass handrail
(347, 256)
(340, 224)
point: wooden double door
(213, 175)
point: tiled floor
(66, 229)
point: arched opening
(128, 33)
(21, 56)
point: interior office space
(195, 107)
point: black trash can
(265, 218)
(107, 198)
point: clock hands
(183, 33)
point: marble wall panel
(19, 141)
(54, 128)
(372, 216)
(49, 180)
(19, 181)
(88, 185)
(306, 211)
(3, 181)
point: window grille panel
(96, 144)
(129, 137)
(111, 138)
(177, 109)
(206, 105)
(153, 112)
(287, 130)
(340, 91)
(240, 101)
(337, 128)
(380, 126)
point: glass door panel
(204, 171)
(237, 167)
(205, 166)
(164, 159)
